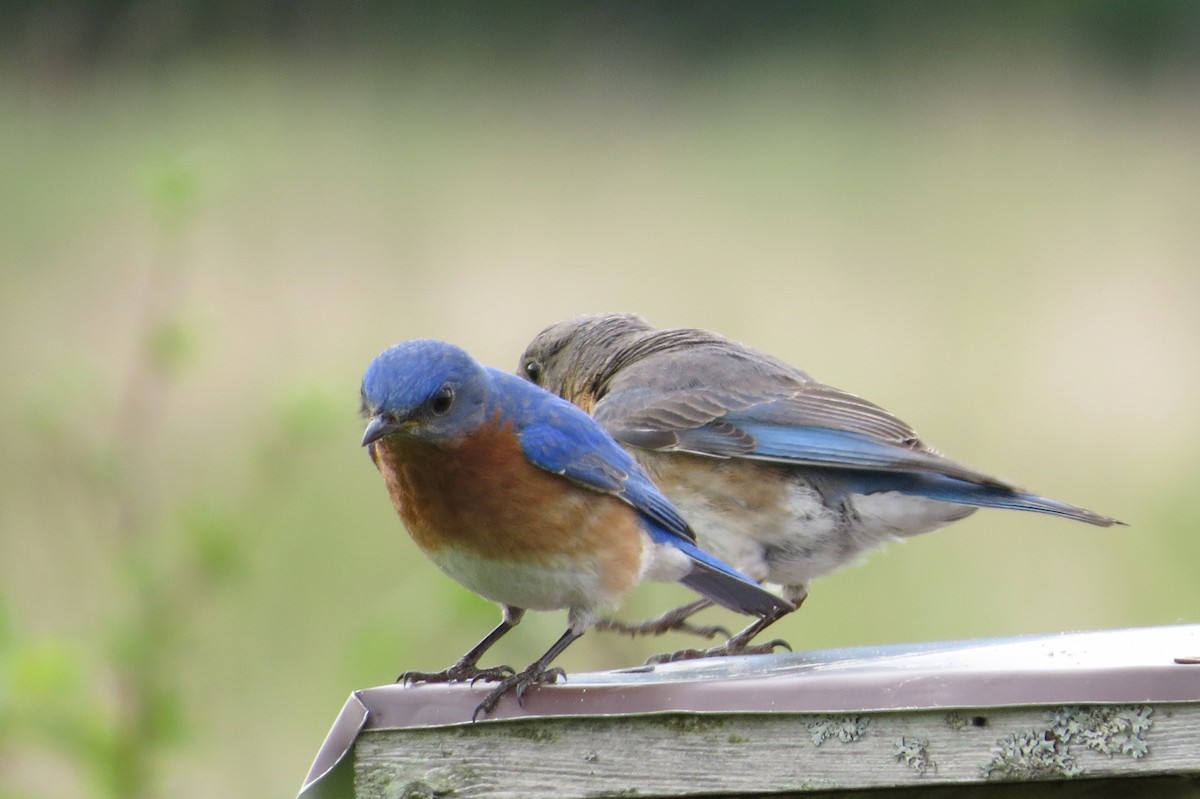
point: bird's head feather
(424, 389)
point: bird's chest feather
(481, 495)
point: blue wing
(810, 424)
(817, 446)
(815, 426)
(560, 438)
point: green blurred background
(982, 216)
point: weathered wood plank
(1099, 788)
(1094, 708)
(678, 754)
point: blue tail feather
(716, 580)
(732, 592)
(951, 489)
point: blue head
(423, 389)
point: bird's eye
(442, 400)
(534, 370)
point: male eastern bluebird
(525, 500)
(784, 477)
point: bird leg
(672, 621)
(537, 672)
(465, 668)
(738, 644)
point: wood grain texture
(678, 755)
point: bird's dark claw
(674, 657)
(728, 649)
(494, 674)
(518, 684)
(459, 672)
(767, 648)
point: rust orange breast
(483, 496)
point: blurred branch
(119, 743)
(147, 713)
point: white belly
(776, 525)
(560, 584)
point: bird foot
(518, 684)
(661, 625)
(675, 620)
(459, 672)
(728, 649)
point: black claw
(729, 649)
(494, 673)
(412, 677)
(517, 684)
(484, 707)
(548, 677)
(675, 657)
(459, 672)
(767, 648)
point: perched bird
(525, 500)
(782, 476)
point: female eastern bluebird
(525, 500)
(785, 477)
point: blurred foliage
(110, 704)
(213, 215)
(1133, 36)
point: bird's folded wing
(811, 424)
(581, 452)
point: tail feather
(728, 587)
(1020, 501)
(952, 489)
(732, 593)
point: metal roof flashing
(1106, 667)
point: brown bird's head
(576, 358)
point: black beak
(377, 428)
